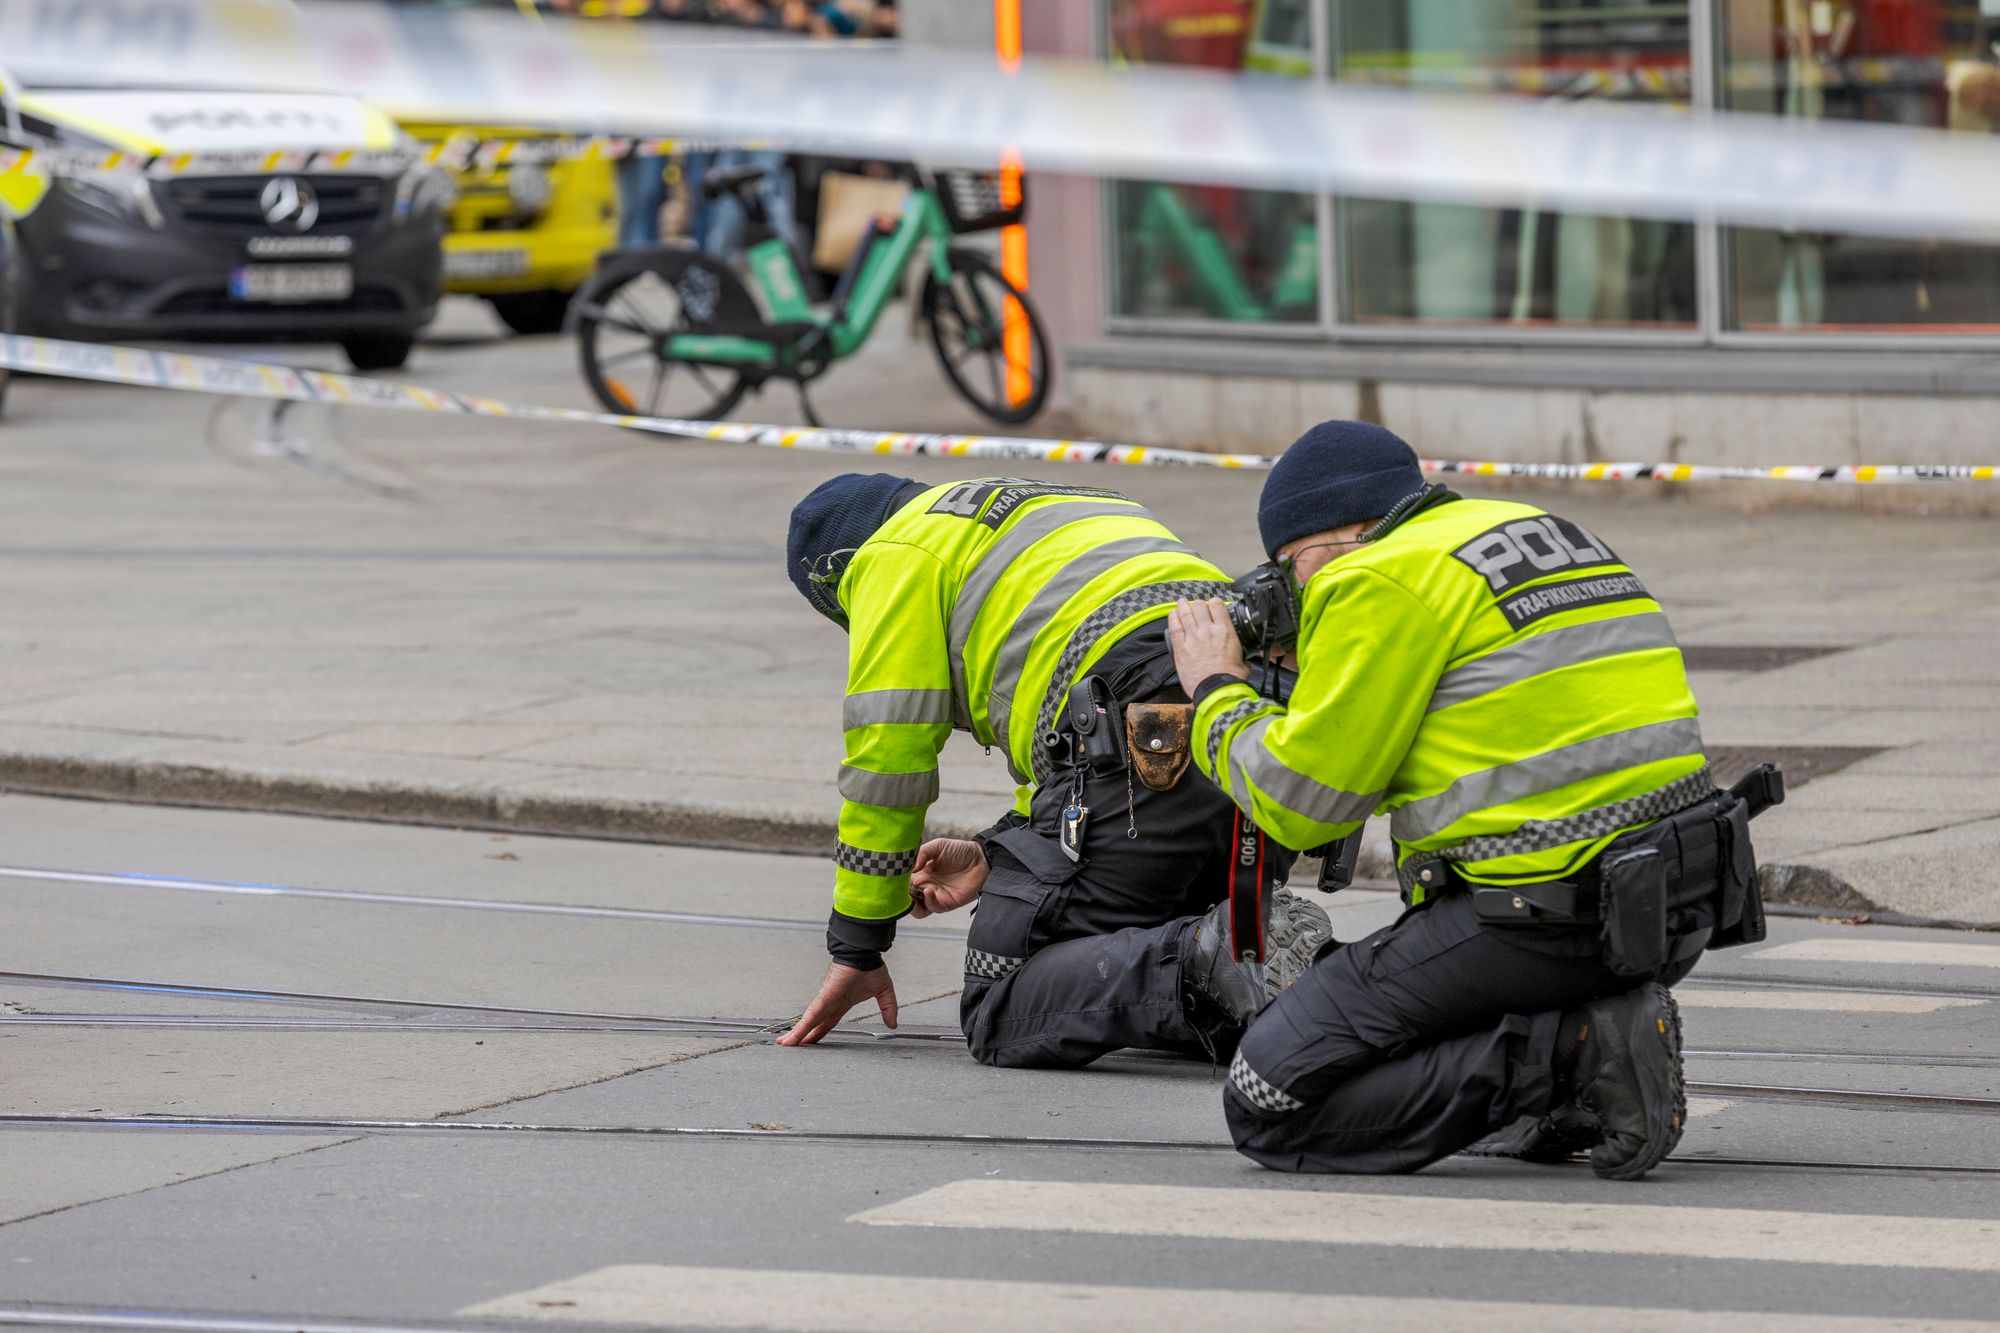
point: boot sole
(1293, 951)
(1663, 1132)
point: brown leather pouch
(1156, 737)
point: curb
(498, 810)
(202, 786)
(1812, 886)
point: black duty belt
(1424, 877)
(1655, 894)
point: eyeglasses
(1290, 563)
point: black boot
(1211, 974)
(1556, 1137)
(1628, 1078)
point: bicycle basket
(971, 200)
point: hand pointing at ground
(844, 988)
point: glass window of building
(1905, 62)
(1212, 252)
(1446, 264)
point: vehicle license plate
(292, 282)
(485, 263)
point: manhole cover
(1801, 763)
(1752, 656)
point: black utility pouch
(1634, 910)
(1099, 728)
(1739, 897)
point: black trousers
(1067, 962)
(1399, 1049)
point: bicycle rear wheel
(989, 339)
(624, 318)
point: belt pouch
(1634, 910)
(1739, 897)
(1156, 737)
(1552, 903)
(1096, 727)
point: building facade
(1225, 318)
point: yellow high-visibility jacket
(1492, 677)
(976, 607)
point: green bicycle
(1172, 234)
(672, 332)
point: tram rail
(366, 1127)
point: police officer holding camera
(1034, 617)
(1504, 687)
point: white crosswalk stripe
(848, 1302)
(1869, 949)
(1344, 1217)
(1822, 1002)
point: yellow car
(532, 215)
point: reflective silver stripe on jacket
(1551, 651)
(1021, 533)
(1673, 739)
(1122, 607)
(1054, 595)
(858, 784)
(864, 862)
(873, 708)
(1539, 835)
(1290, 788)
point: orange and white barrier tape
(462, 152)
(256, 379)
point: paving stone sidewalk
(574, 629)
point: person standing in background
(642, 190)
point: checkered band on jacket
(1259, 1091)
(1535, 835)
(865, 862)
(1220, 727)
(1121, 607)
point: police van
(9, 280)
(263, 215)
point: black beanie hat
(1337, 473)
(830, 523)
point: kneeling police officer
(1502, 685)
(1034, 617)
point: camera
(1264, 608)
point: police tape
(455, 153)
(1639, 158)
(1853, 473)
(471, 152)
(73, 161)
(189, 373)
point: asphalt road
(262, 1071)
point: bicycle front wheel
(989, 339)
(623, 321)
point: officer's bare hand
(949, 873)
(1204, 643)
(843, 988)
